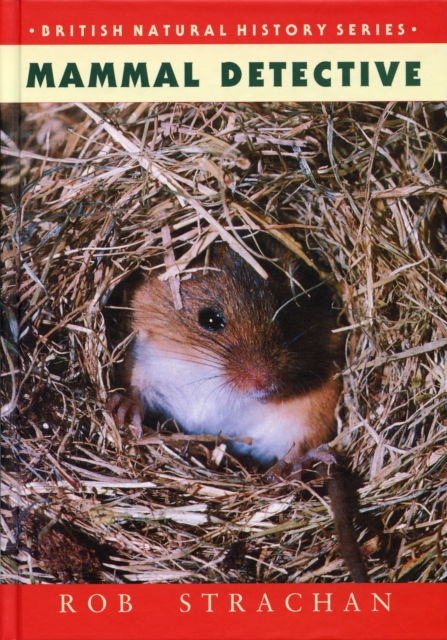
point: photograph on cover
(224, 338)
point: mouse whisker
(202, 357)
(201, 381)
(197, 347)
(171, 355)
(303, 333)
(217, 390)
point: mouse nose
(256, 378)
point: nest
(93, 194)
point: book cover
(216, 218)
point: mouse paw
(314, 456)
(292, 469)
(279, 471)
(126, 410)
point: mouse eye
(211, 320)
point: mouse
(248, 357)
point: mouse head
(267, 338)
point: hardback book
(224, 320)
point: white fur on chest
(197, 397)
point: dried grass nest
(90, 195)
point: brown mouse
(244, 357)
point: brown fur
(286, 358)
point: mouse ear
(305, 275)
(318, 291)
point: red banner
(230, 22)
(225, 612)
